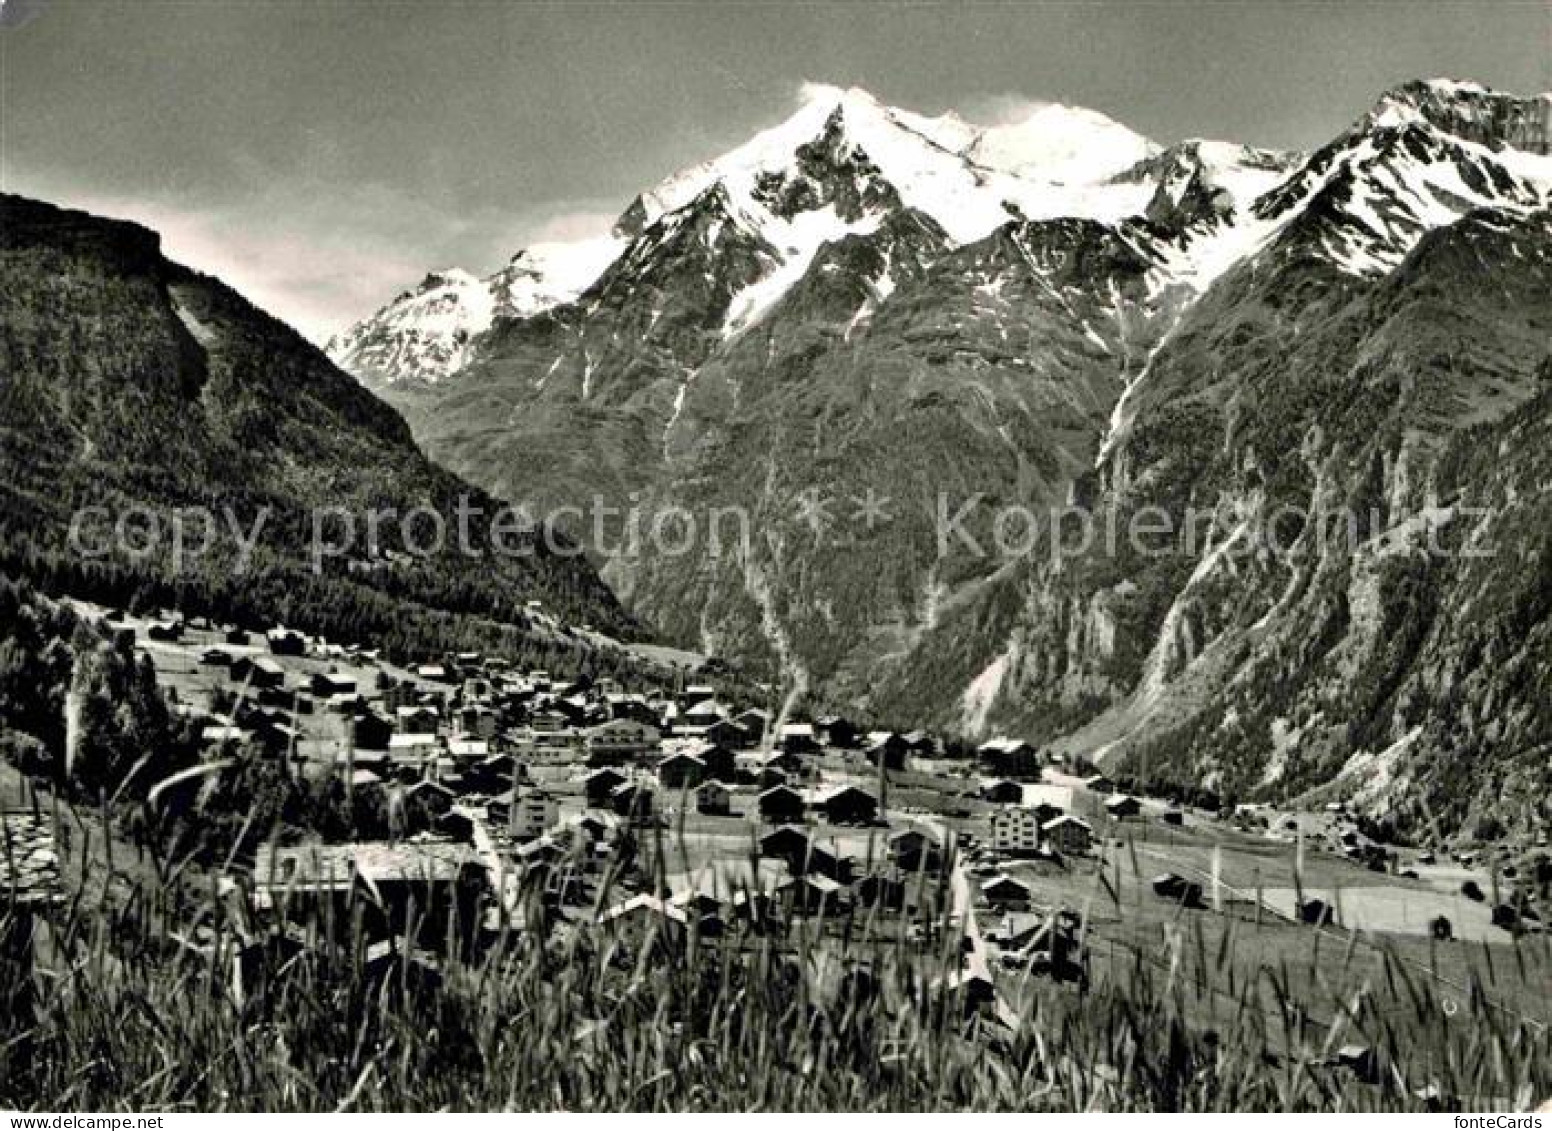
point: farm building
(1051, 801)
(814, 893)
(371, 731)
(646, 916)
(1316, 912)
(263, 672)
(415, 720)
(884, 888)
(327, 684)
(703, 714)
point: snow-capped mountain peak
(424, 334)
(1428, 153)
(1061, 144)
(1470, 111)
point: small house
(1123, 808)
(755, 723)
(914, 849)
(781, 804)
(848, 805)
(713, 799)
(1069, 835)
(326, 685)
(889, 752)
(798, 738)
(1316, 912)
(1177, 889)
(634, 800)
(371, 731)
(1002, 791)
(1009, 758)
(600, 784)
(837, 730)
(1006, 892)
(681, 771)
(285, 642)
(797, 850)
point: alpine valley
(1334, 367)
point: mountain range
(1326, 374)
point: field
(1230, 1005)
(1185, 1011)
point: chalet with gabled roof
(781, 804)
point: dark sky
(320, 156)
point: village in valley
(516, 800)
